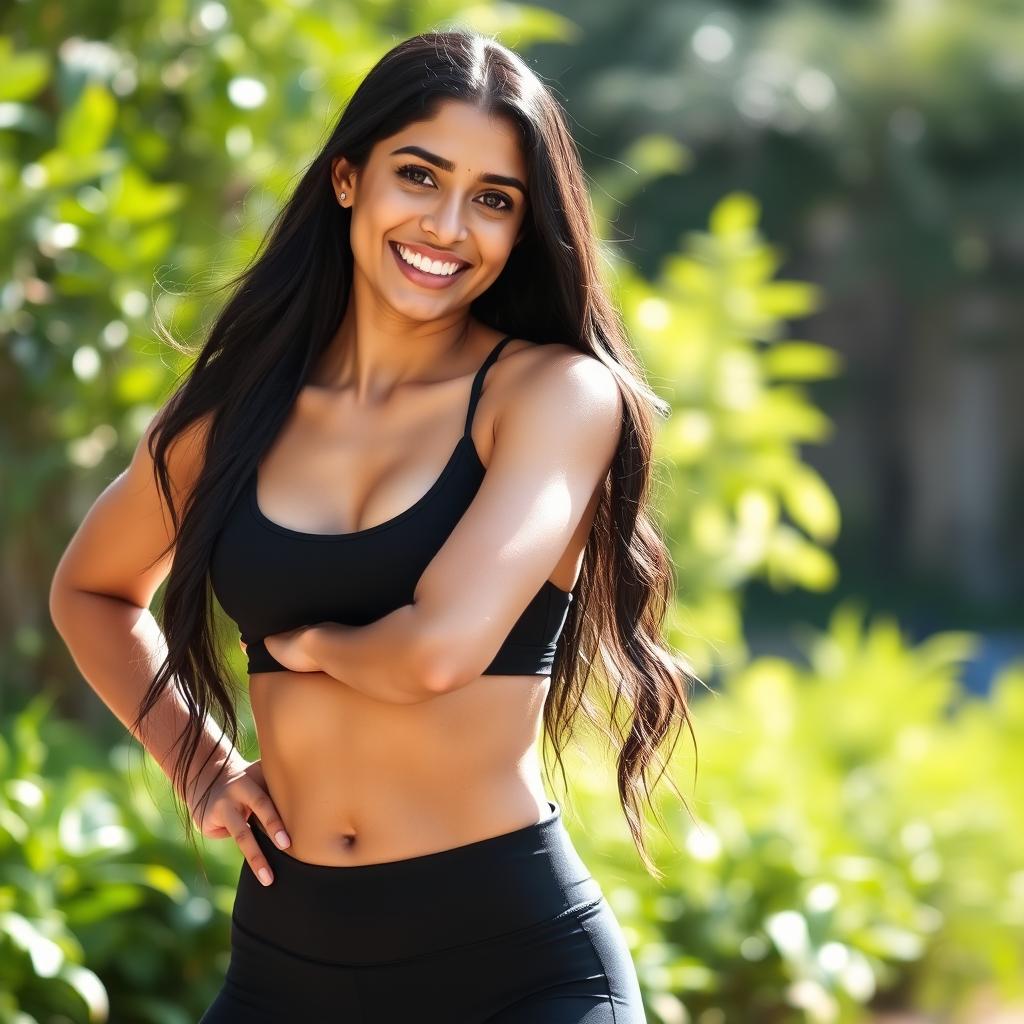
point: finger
(202, 818)
(264, 809)
(242, 834)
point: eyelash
(402, 172)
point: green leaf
(810, 502)
(22, 75)
(735, 214)
(134, 198)
(85, 127)
(784, 299)
(801, 360)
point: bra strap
(478, 380)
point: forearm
(390, 659)
(118, 647)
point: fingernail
(282, 839)
(264, 874)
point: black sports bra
(270, 578)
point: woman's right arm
(99, 604)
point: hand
(238, 793)
(289, 650)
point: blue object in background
(996, 650)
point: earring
(341, 195)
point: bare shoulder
(552, 402)
(186, 453)
(575, 385)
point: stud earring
(341, 195)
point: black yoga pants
(508, 930)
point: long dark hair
(284, 309)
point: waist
(402, 778)
(350, 823)
(466, 893)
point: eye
(504, 198)
(408, 171)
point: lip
(435, 254)
(421, 277)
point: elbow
(61, 590)
(435, 669)
(435, 677)
(56, 601)
(447, 672)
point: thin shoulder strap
(478, 380)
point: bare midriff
(360, 781)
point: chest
(270, 578)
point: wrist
(223, 763)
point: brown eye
(504, 198)
(408, 171)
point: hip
(507, 929)
(358, 914)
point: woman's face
(448, 212)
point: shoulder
(185, 454)
(574, 385)
(558, 400)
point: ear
(343, 178)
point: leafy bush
(860, 838)
(740, 502)
(100, 908)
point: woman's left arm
(554, 441)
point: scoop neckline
(260, 516)
(466, 440)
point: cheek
(495, 247)
(381, 209)
(371, 226)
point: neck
(372, 354)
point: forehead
(476, 141)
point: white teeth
(428, 266)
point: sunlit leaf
(22, 74)
(85, 127)
(801, 360)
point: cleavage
(400, 485)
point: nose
(445, 222)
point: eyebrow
(448, 165)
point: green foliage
(101, 916)
(738, 500)
(858, 838)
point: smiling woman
(412, 464)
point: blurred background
(812, 219)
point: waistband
(378, 913)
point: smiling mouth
(398, 254)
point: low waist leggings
(508, 930)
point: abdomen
(403, 779)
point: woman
(416, 458)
